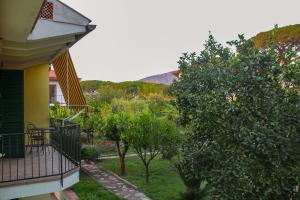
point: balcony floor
(36, 164)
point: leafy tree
(117, 127)
(91, 123)
(149, 134)
(163, 107)
(60, 112)
(125, 105)
(243, 112)
(104, 91)
(282, 37)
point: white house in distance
(55, 92)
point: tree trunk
(189, 193)
(121, 159)
(90, 138)
(122, 165)
(147, 174)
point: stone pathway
(113, 183)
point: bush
(169, 153)
(90, 152)
(243, 108)
(171, 146)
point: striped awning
(68, 81)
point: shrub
(90, 152)
(244, 110)
(171, 145)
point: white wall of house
(58, 92)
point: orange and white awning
(68, 81)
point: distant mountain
(165, 78)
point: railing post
(61, 156)
(65, 141)
(79, 145)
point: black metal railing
(23, 158)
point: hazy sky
(139, 38)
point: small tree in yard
(116, 128)
(243, 108)
(149, 134)
(91, 123)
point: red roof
(52, 76)
(176, 73)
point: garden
(228, 128)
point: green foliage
(116, 129)
(90, 152)
(107, 91)
(92, 85)
(107, 98)
(92, 122)
(287, 35)
(172, 139)
(130, 106)
(60, 112)
(163, 107)
(149, 134)
(117, 126)
(243, 110)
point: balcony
(55, 160)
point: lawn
(113, 152)
(165, 184)
(89, 189)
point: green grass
(165, 183)
(113, 152)
(89, 189)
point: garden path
(113, 183)
(115, 156)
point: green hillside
(287, 35)
(126, 89)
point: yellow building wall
(36, 95)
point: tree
(149, 134)
(162, 106)
(105, 91)
(243, 112)
(116, 128)
(60, 112)
(91, 123)
(282, 37)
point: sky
(139, 38)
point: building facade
(33, 35)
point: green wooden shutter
(12, 113)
